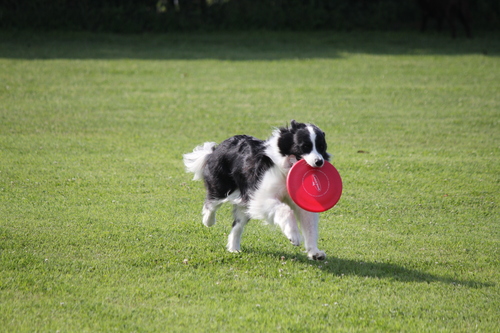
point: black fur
(237, 163)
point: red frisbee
(314, 189)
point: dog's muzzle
(319, 162)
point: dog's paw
(293, 236)
(295, 241)
(233, 248)
(208, 216)
(208, 220)
(316, 255)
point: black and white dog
(251, 174)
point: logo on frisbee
(312, 181)
(316, 183)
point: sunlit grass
(100, 227)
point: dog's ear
(285, 143)
(295, 126)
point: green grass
(100, 227)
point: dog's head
(304, 141)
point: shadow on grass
(377, 270)
(238, 45)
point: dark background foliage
(132, 16)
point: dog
(251, 174)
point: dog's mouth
(315, 162)
(292, 159)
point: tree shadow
(376, 270)
(238, 46)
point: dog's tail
(195, 161)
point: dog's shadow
(376, 270)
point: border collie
(251, 174)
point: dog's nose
(319, 163)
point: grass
(100, 228)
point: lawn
(100, 227)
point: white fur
(314, 155)
(195, 161)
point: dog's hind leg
(209, 209)
(240, 220)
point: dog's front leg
(309, 225)
(285, 218)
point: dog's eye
(307, 146)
